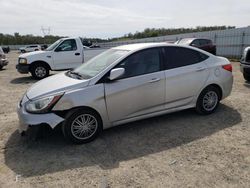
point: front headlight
(42, 105)
(23, 61)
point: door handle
(48, 56)
(77, 53)
(154, 80)
(200, 69)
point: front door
(141, 90)
(67, 55)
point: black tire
(39, 71)
(1, 67)
(71, 120)
(246, 77)
(203, 105)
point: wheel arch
(64, 113)
(216, 86)
(39, 62)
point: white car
(125, 84)
(30, 48)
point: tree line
(152, 32)
(17, 39)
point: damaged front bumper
(27, 120)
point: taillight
(228, 67)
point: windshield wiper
(79, 76)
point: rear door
(67, 55)
(141, 90)
(186, 73)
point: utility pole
(45, 32)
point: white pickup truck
(66, 53)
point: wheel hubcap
(40, 72)
(84, 126)
(210, 100)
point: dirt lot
(177, 150)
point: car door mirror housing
(116, 73)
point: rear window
(179, 57)
(205, 42)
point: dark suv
(204, 44)
(245, 64)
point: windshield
(95, 65)
(52, 46)
(185, 41)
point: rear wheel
(81, 126)
(246, 77)
(39, 71)
(208, 100)
(1, 67)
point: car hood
(29, 54)
(58, 83)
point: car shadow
(115, 145)
(23, 80)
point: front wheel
(39, 71)
(1, 67)
(246, 77)
(208, 101)
(81, 126)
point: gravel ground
(176, 150)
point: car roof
(138, 46)
(195, 38)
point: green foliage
(16, 39)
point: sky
(114, 18)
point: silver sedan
(125, 84)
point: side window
(204, 42)
(196, 43)
(179, 57)
(143, 62)
(67, 45)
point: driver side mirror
(116, 73)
